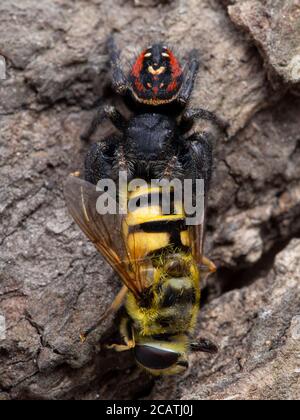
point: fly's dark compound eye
(155, 358)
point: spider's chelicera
(155, 142)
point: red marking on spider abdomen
(139, 85)
(172, 86)
(175, 66)
(155, 90)
(138, 65)
(176, 72)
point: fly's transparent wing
(104, 230)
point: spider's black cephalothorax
(154, 143)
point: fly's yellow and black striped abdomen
(161, 244)
(156, 256)
(147, 229)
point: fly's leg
(127, 335)
(115, 306)
(77, 174)
(205, 346)
(207, 266)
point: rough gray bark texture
(52, 282)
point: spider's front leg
(105, 160)
(107, 112)
(119, 80)
(170, 169)
(191, 115)
(99, 161)
(189, 79)
(198, 159)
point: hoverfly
(159, 260)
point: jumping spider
(154, 143)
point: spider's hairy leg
(198, 160)
(123, 162)
(103, 113)
(191, 115)
(172, 169)
(190, 78)
(105, 160)
(119, 80)
(99, 160)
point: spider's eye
(149, 85)
(148, 55)
(162, 85)
(166, 55)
